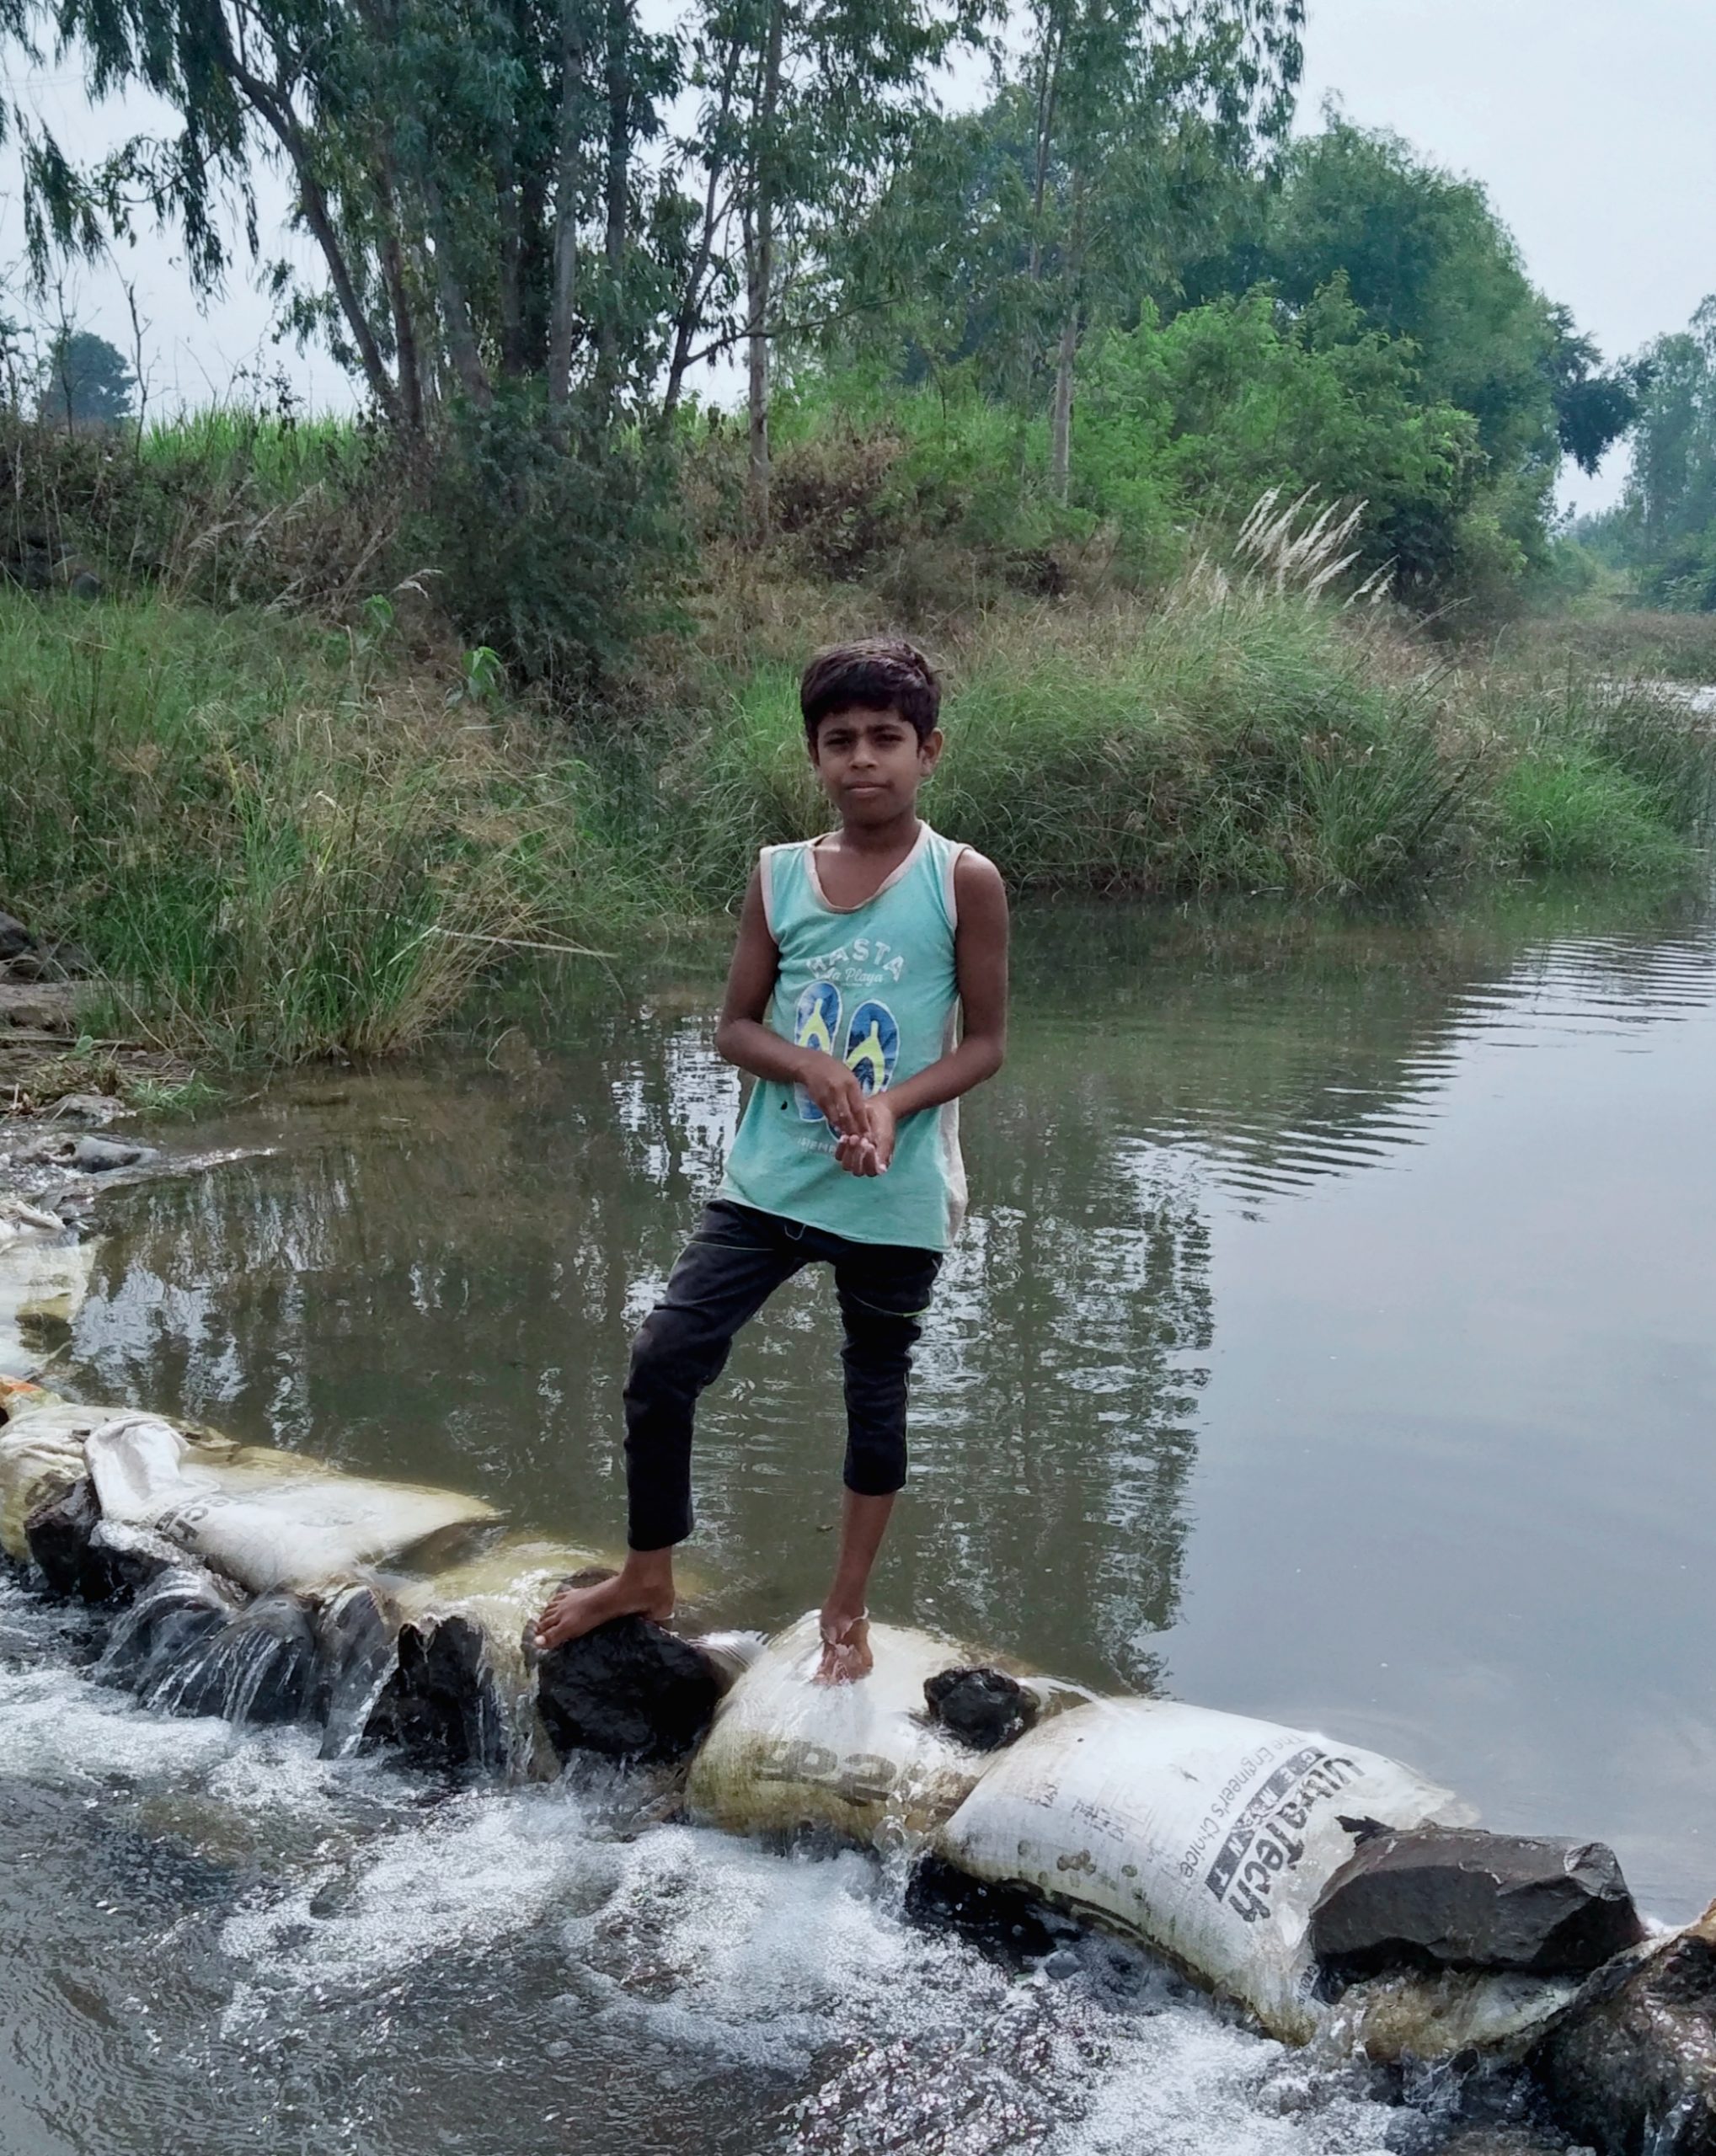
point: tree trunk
(691, 301)
(1060, 418)
(759, 277)
(454, 308)
(617, 198)
(408, 364)
(568, 162)
(511, 264)
(1066, 358)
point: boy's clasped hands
(863, 1123)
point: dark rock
(15, 939)
(259, 1667)
(1458, 1897)
(357, 1653)
(983, 1708)
(99, 1157)
(628, 1690)
(60, 1535)
(440, 1705)
(1001, 1918)
(166, 1624)
(1630, 2067)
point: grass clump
(1236, 737)
(267, 854)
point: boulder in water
(1459, 1898)
(440, 1707)
(61, 1538)
(184, 1607)
(628, 1690)
(357, 1651)
(259, 1667)
(984, 1708)
(1630, 2067)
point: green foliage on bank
(272, 844)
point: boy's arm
(980, 967)
(741, 1038)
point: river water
(1332, 1341)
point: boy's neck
(897, 835)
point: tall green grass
(267, 855)
(1238, 741)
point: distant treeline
(1116, 300)
(1663, 530)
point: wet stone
(439, 1706)
(259, 1667)
(1630, 2069)
(628, 1690)
(1001, 1918)
(61, 1538)
(98, 1156)
(1457, 1896)
(170, 1622)
(356, 1652)
(982, 1707)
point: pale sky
(1589, 121)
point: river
(1332, 1341)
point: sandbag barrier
(1336, 1895)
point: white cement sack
(862, 1760)
(41, 1454)
(1206, 1836)
(266, 1519)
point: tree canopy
(85, 382)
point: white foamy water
(352, 1899)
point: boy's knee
(670, 1358)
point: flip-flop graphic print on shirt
(873, 1046)
(815, 1024)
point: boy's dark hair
(879, 674)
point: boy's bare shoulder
(977, 879)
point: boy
(855, 953)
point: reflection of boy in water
(859, 955)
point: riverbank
(276, 841)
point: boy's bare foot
(638, 1591)
(846, 1647)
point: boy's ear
(929, 750)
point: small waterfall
(187, 1646)
(358, 1644)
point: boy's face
(871, 762)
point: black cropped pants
(731, 1268)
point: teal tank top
(873, 985)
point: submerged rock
(259, 1667)
(1463, 1898)
(1631, 2067)
(440, 1706)
(628, 1690)
(184, 1607)
(984, 1708)
(357, 1653)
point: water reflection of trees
(438, 1277)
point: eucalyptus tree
(1114, 135)
(805, 106)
